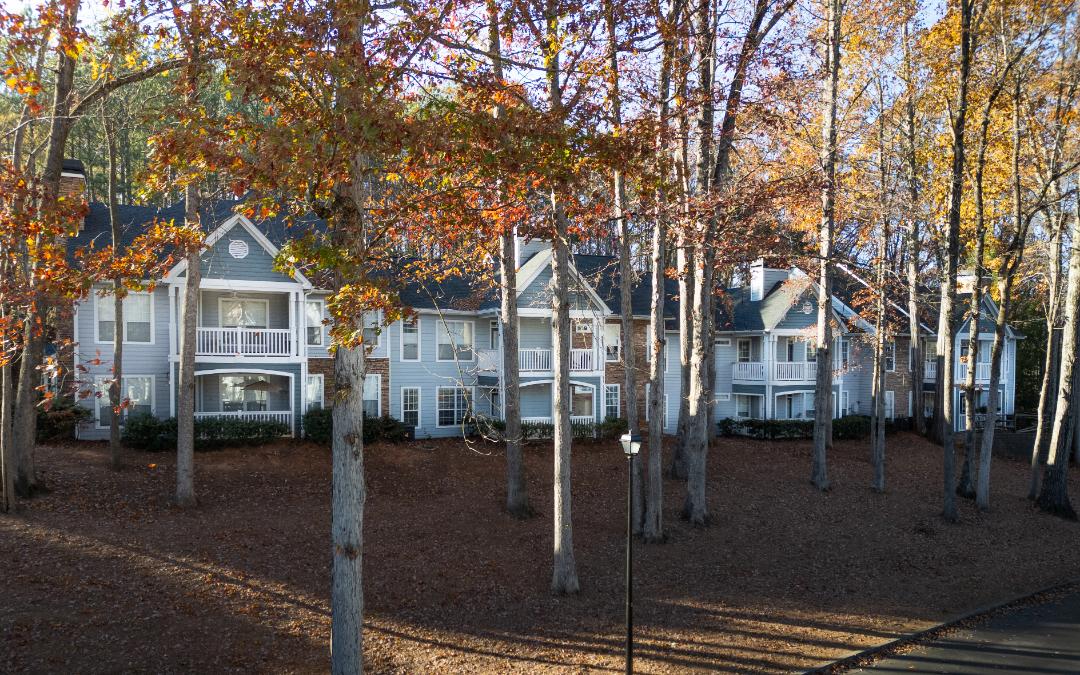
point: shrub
(612, 428)
(58, 423)
(852, 427)
(146, 432)
(536, 430)
(766, 429)
(319, 426)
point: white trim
(221, 314)
(419, 404)
(604, 343)
(97, 322)
(322, 391)
(885, 360)
(440, 329)
(470, 398)
(618, 400)
(378, 325)
(419, 341)
(99, 381)
(322, 326)
(378, 392)
(257, 235)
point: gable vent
(238, 248)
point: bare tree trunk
(823, 393)
(349, 495)
(877, 452)
(986, 450)
(626, 277)
(517, 496)
(7, 456)
(1054, 496)
(116, 386)
(913, 248)
(654, 528)
(966, 487)
(684, 261)
(185, 400)
(1047, 386)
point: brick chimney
(73, 183)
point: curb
(868, 656)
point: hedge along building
(262, 346)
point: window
(314, 392)
(136, 390)
(581, 401)
(243, 312)
(372, 329)
(493, 334)
(494, 409)
(844, 403)
(452, 406)
(890, 356)
(313, 319)
(612, 342)
(410, 339)
(372, 399)
(843, 353)
(244, 392)
(744, 350)
(742, 406)
(410, 406)
(808, 405)
(611, 400)
(137, 318)
(454, 341)
(811, 351)
(890, 404)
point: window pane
(105, 331)
(611, 401)
(612, 341)
(372, 385)
(410, 340)
(314, 392)
(453, 406)
(313, 321)
(371, 329)
(455, 339)
(137, 332)
(137, 308)
(410, 406)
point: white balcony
(748, 371)
(243, 341)
(982, 372)
(795, 371)
(488, 360)
(534, 359)
(930, 372)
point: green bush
(146, 432)
(58, 423)
(319, 426)
(852, 427)
(612, 428)
(767, 429)
(537, 430)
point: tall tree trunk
(1054, 496)
(517, 496)
(918, 368)
(626, 277)
(7, 446)
(966, 486)
(349, 496)
(684, 261)
(185, 400)
(24, 416)
(819, 475)
(117, 384)
(982, 485)
(877, 452)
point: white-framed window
(410, 339)
(612, 403)
(313, 321)
(808, 405)
(890, 404)
(452, 406)
(410, 406)
(493, 334)
(454, 341)
(890, 356)
(844, 403)
(373, 329)
(745, 354)
(612, 342)
(811, 351)
(843, 353)
(742, 406)
(243, 312)
(138, 318)
(494, 407)
(373, 395)
(313, 392)
(136, 390)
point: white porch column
(172, 319)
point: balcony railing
(795, 371)
(488, 360)
(540, 359)
(752, 371)
(283, 416)
(243, 341)
(982, 372)
(930, 372)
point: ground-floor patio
(786, 578)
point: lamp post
(631, 443)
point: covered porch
(536, 403)
(249, 395)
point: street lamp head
(631, 443)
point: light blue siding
(538, 294)
(277, 307)
(257, 265)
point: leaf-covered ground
(103, 575)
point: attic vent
(724, 342)
(807, 307)
(723, 397)
(238, 248)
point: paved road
(1042, 639)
